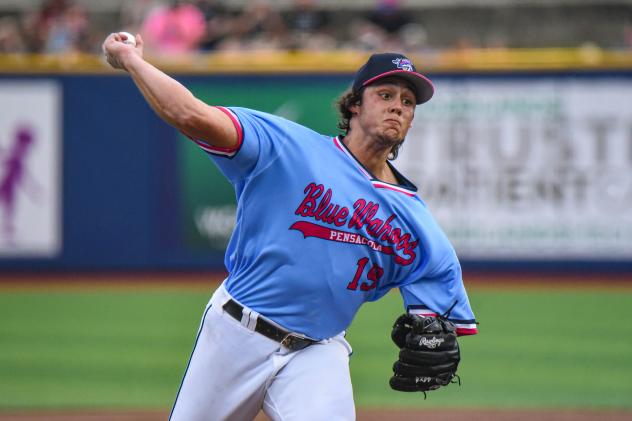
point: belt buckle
(287, 341)
(290, 342)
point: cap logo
(404, 64)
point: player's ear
(355, 101)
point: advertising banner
(30, 169)
(528, 168)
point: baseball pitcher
(324, 224)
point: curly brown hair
(344, 104)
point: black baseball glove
(429, 353)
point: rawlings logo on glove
(429, 353)
(430, 343)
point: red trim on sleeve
(464, 331)
(233, 118)
(219, 150)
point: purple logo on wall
(15, 178)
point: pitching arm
(174, 103)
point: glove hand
(429, 353)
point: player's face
(386, 111)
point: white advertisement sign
(527, 168)
(30, 169)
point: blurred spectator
(627, 35)
(387, 27)
(58, 26)
(67, 30)
(51, 10)
(389, 16)
(219, 23)
(413, 38)
(177, 28)
(365, 36)
(189, 26)
(258, 27)
(11, 40)
(308, 27)
(132, 13)
(34, 34)
(304, 17)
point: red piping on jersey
(386, 186)
(335, 139)
(346, 152)
(376, 183)
(240, 136)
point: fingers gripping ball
(128, 38)
(429, 353)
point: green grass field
(128, 349)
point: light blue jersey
(317, 235)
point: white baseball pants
(234, 372)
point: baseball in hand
(131, 39)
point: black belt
(291, 341)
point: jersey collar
(404, 186)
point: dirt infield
(363, 415)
